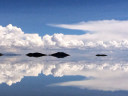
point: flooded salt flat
(80, 74)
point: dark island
(36, 54)
(1, 54)
(101, 55)
(60, 55)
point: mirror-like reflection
(76, 74)
(99, 75)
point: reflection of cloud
(106, 75)
(13, 73)
(105, 80)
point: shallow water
(81, 74)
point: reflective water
(81, 74)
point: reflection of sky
(96, 73)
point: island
(36, 54)
(60, 55)
(101, 55)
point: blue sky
(32, 16)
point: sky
(32, 16)
(63, 24)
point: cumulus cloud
(13, 37)
(100, 34)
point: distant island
(101, 55)
(58, 54)
(1, 54)
(36, 54)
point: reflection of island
(100, 75)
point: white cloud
(100, 30)
(106, 34)
(13, 37)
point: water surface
(81, 74)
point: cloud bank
(104, 30)
(13, 37)
(106, 34)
